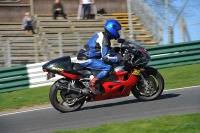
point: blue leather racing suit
(97, 54)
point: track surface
(179, 101)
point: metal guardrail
(171, 55)
(25, 76)
(163, 56)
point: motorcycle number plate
(136, 72)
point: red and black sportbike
(133, 75)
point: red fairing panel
(118, 87)
(72, 76)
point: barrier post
(130, 19)
(8, 63)
(36, 50)
(60, 44)
(78, 41)
(95, 11)
(79, 12)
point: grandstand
(56, 38)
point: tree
(176, 8)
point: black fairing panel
(95, 72)
(77, 67)
(62, 64)
(85, 71)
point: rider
(96, 54)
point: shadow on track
(167, 96)
(164, 96)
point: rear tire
(155, 80)
(58, 99)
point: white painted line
(25, 111)
(52, 107)
(182, 88)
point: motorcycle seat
(77, 67)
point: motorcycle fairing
(62, 64)
(85, 71)
(72, 76)
(119, 87)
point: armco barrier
(30, 76)
(175, 54)
(23, 77)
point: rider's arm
(106, 57)
(105, 49)
(114, 51)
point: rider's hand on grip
(126, 56)
(120, 59)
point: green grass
(182, 76)
(188, 123)
(24, 98)
(176, 77)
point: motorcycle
(132, 76)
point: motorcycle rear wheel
(154, 79)
(58, 100)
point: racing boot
(93, 88)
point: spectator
(101, 11)
(86, 7)
(58, 9)
(27, 24)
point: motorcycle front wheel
(155, 85)
(63, 101)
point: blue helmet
(113, 26)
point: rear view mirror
(120, 40)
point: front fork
(141, 73)
(144, 80)
(148, 87)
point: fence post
(47, 50)
(95, 11)
(60, 44)
(122, 33)
(78, 41)
(130, 19)
(4, 53)
(32, 7)
(44, 46)
(36, 50)
(79, 11)
(8, 64)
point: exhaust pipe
(70, 89)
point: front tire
(156, 83)
(60, 100)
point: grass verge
(182, 76)
(188, 123)
(24, 98)
(175, 77)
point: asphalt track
(48, 120)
